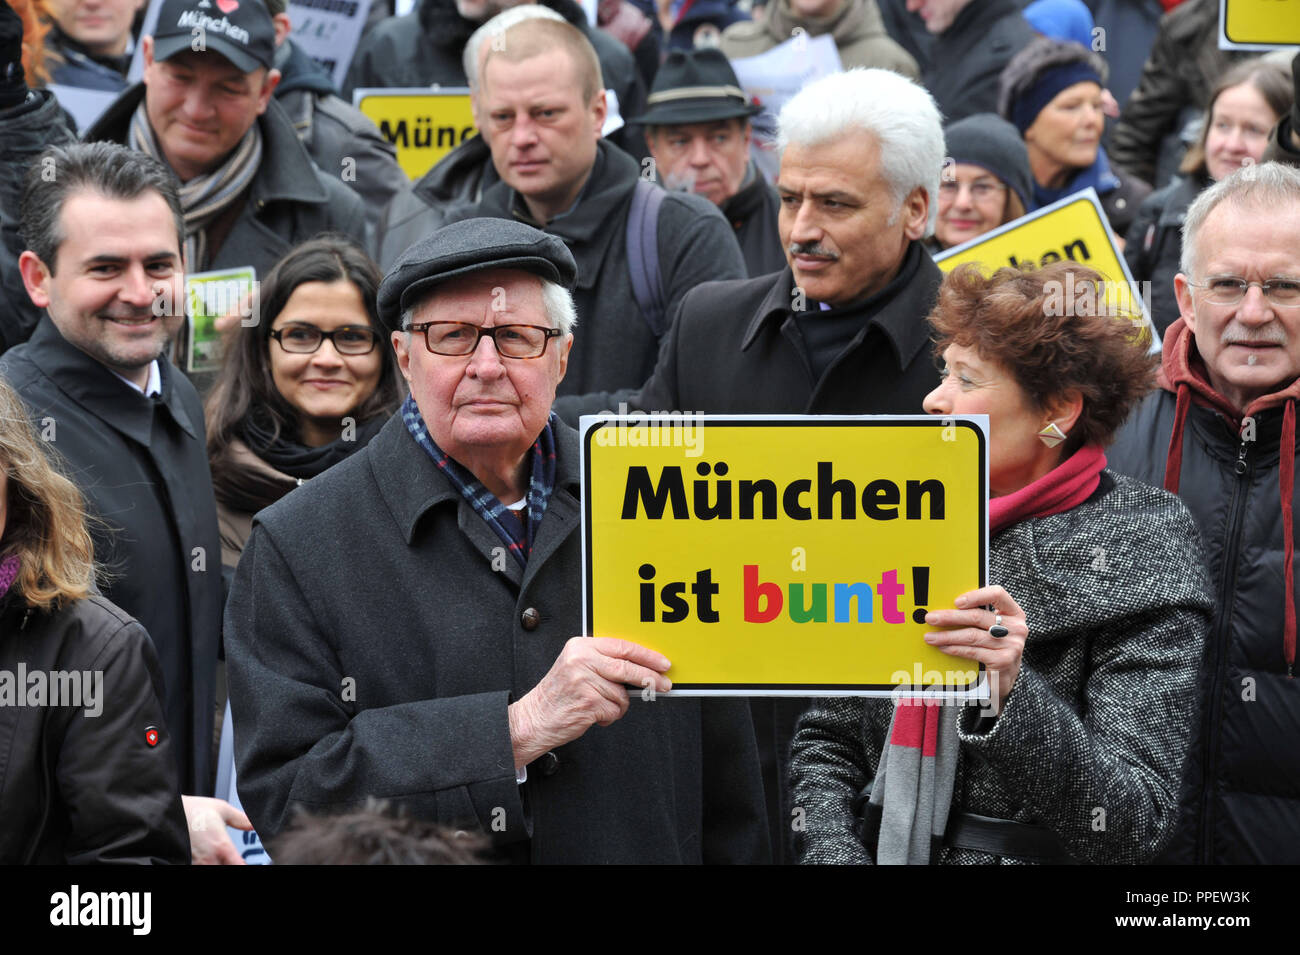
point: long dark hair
(245, 384)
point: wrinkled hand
(1000, 655)
(587, 684)
(208, 818)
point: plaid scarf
(203, 198)
(485, 503)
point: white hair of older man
(899, 113)
(499, 24)
(556, 300)
(1270, 187)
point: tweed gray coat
(1091, 740)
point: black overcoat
(143, 467)
(373, 650)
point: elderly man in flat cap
(403, 625)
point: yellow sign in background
(423, 125)
(1073, 229)
(660, 571)
(1260, 23)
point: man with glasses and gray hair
(1221, 433)
(402, 627)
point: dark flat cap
(471, 245)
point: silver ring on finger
(997, 630)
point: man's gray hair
(556, 299)
(899, 113)
(1271, 187)
(498, 25)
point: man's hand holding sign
(588, 684)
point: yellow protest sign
(1073, 229)
(784, 555)
(1258, 24)
(423, 124)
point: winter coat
(1090, 742)
(753, 213)
(423, 206)
(81, 784)
(1184, 64)
(424, 48)
(858, 31)
(614, 346)
(1240, 801)
(289, 201)
(367, 606)
(735, 348)
(967, 59)
(1155, 244)
(142, 465)
(342, 142)
(24, 133)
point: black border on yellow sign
(755, 421)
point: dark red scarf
(1067, 485)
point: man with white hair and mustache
(1221, 433)
(842, 329)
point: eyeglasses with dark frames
(303, 338)
(458, 339)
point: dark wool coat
(1091, 740)
(613, 345)
(143, 467)
(1241, 792)
(967, 59)
(76, 786)
(288, 202)
(373, 650)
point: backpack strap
(643, 254)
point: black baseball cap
(240, 30)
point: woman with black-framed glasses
(311, 382)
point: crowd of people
(354, 545)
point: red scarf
(1067, 485)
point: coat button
(530, 618)
(548, 763)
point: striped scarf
(204, 197)
(486, 504)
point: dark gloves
(13, 86)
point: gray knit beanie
(992, 143)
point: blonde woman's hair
(45, 524)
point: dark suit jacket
(373, 651)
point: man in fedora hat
(698, 130)
(432, 660)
